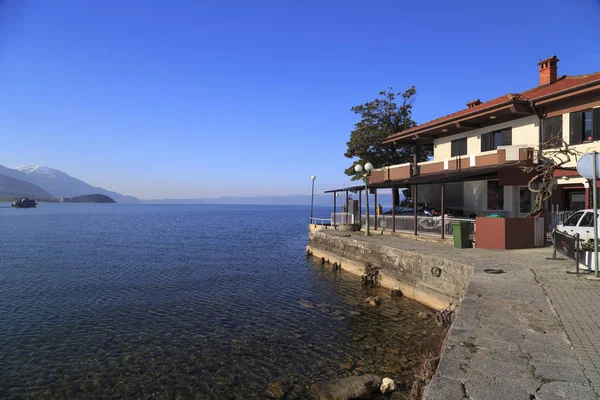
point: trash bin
(460, 231)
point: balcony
(505, 155)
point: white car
(582, 223)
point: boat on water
(24, 203)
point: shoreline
(506, 341)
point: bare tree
(555, 155)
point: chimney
(548, 70)
(473, 103)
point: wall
(525, 132)
(409, 271)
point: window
(524, 200)
(491, 140)
(573, 219)
(587, 220)
(551, 132)
(459, 147)
(585, 126)
(495, 196)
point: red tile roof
(563, 83)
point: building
(479, 152)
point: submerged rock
(395, 293)
(276, 390)
(423, 315)
(373, 300)
(387, 385)
(352, 387)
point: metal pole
(347, 209)
(595, 197)
(334, 208)
(443, 214)
(312, 197)
(375, 204)
(367, 201)
(393, 209)
(360, 207)
(415, 207)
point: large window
(491, 140)
(495, 196)
(524, 200)
(552, 132)
(585, 126)
(459, 147)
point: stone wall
(415, 274)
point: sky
(192, 98)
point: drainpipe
(540, 116)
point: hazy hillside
(60, 184)
(11, 188)
(88, 198)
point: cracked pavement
(506, 341)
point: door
(576, 199)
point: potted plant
(586, 255)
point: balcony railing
(505, 154)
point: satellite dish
(585, 165)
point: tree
(556, 155)
(381, 118)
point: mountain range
(46, 183)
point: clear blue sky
(191, 98)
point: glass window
(459, 147)
(524, 200)
(552, 132)
(573, 219)
(491, 140)
(587, 220)
(495, 196)
(585, 126)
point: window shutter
(596, 123)
(576, 128)
(507, 137)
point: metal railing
(343, 218)
(320, 221)
(425, 224)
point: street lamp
(367, 172)
(312, 197)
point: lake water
(168, 301)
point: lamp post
(367, 173)
(312, 197)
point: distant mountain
(60, 184)
(88, 198)
(11, 188)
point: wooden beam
(520, 109)
(466, 125)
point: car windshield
(573, 219)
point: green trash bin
(460, 230)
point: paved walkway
(529, 333)
(577, 302)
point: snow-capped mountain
(60, 184)
(37, 169)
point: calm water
(161, 301)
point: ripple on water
(189, 301)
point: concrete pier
(509, 339)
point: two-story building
(479, 152)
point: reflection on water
(154, 301)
